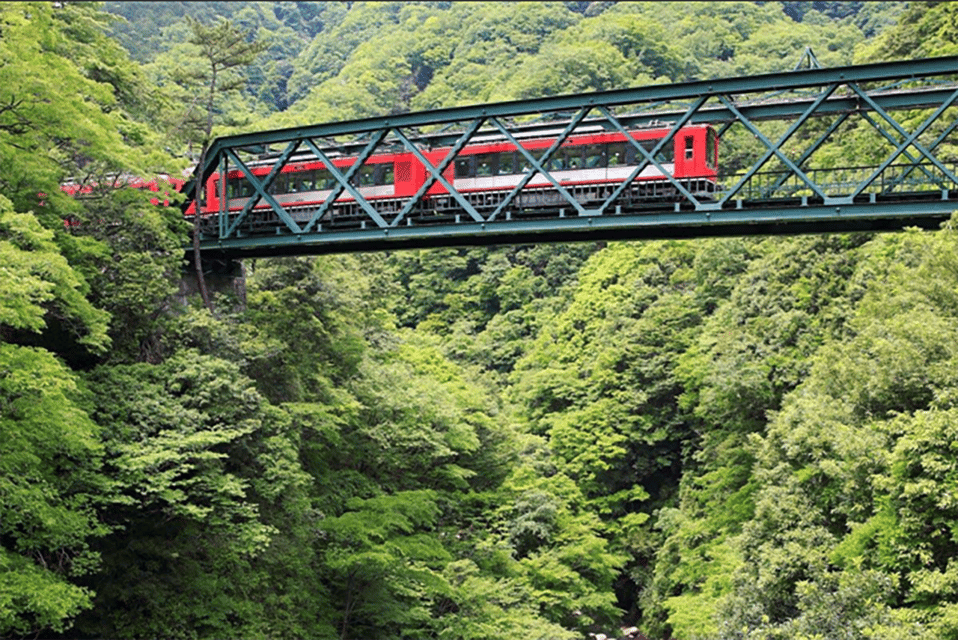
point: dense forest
(739, 438)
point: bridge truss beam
(775, 176)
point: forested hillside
(741, 438)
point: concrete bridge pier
(222, 276)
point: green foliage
(598, 379)
(842, 474)
(924, 29)
(424, 435)
(50, 487)
(343, 31)
(694, 567)
(757, 345)
(295, 303)
(199, 82)
(58, 111)
(383, 564)
(642, 43)
(725, 438)
(485, 606)
(194, 451)
(568, 565)
(567, 68)
(39, 287)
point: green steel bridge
(856, 148)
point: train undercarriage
(538, 202)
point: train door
(686, 154)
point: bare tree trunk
(197, 259)
(224, 47)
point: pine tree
(225, 48)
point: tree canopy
(748, 438)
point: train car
(301, 187)
(89, 189)
(589, 166)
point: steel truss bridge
(856, 148)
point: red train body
(86, 189)
(589, 166)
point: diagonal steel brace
(450, 157)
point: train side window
(324, 180)
(506, 164)
(365, 177)
(667, 154)
(484, 164)
(465, 167)
(594, 158)
(279, 184)
(558, 161)
(689, 147)
(522, 163)
(662, 157)
(616, 154)
(573, 157)
(385, 174)
(299, 181)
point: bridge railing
(902, 180)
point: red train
(589, 166)
(79, 190)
